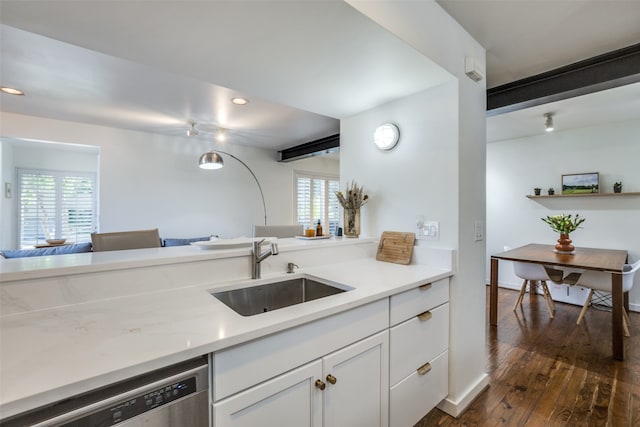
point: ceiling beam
(324, 145)
(617, 68)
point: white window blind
(316, 200)
(55, 205)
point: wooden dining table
(607, 260)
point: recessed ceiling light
(240, 101)
(11, 91)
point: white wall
(149, 180)
(419, 176)
(430, 30)
(7, 230)
(49, 156)
(515, 167)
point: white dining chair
(601, 281)
(534, 276)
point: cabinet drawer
(240, 367)
(418, 340)
(415, 301)
(412, 398)
(291, 399)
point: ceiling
(528, 37)
(155, 66)
(595, 109)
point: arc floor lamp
(213, 160)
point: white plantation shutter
(333, 207)
(54, 205)
(303, 192)
(316, 200)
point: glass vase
(352, 222)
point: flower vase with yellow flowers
(564, 224)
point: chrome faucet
(257, 257)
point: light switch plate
(478, 231)
(431, 230)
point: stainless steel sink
(272, 296)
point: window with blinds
(316, 200)
(55, 205)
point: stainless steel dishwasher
(176, 396)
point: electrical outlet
(478, 231)
(431, 230)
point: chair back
(628, 274)
(137, 239)
(601, 281)
(280, 231)
(530, 271)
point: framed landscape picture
(580, 183)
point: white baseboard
(457, 407)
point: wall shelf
(634, 193)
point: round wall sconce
(386, 136)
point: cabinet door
(360, 394)
(289, 400)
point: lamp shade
(211, 160)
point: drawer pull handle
(320, 384)
(425, 316)
(425, 287)
(424, 368)
(331, 379)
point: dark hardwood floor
(552, 372)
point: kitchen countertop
(51, 354)
(89, 262)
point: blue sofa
(85, 247)
(55, 250)
(184, 241)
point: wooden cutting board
(396, 247)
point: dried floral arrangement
(354, 198)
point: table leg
(493, 293)
(617, 334)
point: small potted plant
(617, 187)
(536, 191)
(551, 191)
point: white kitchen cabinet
(360, 395)
(419, 341)
(346, 388)
(414, 396)
(243, 366)
(289, 400)
(388, 359)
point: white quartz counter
(89, 262)
(49, 354)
